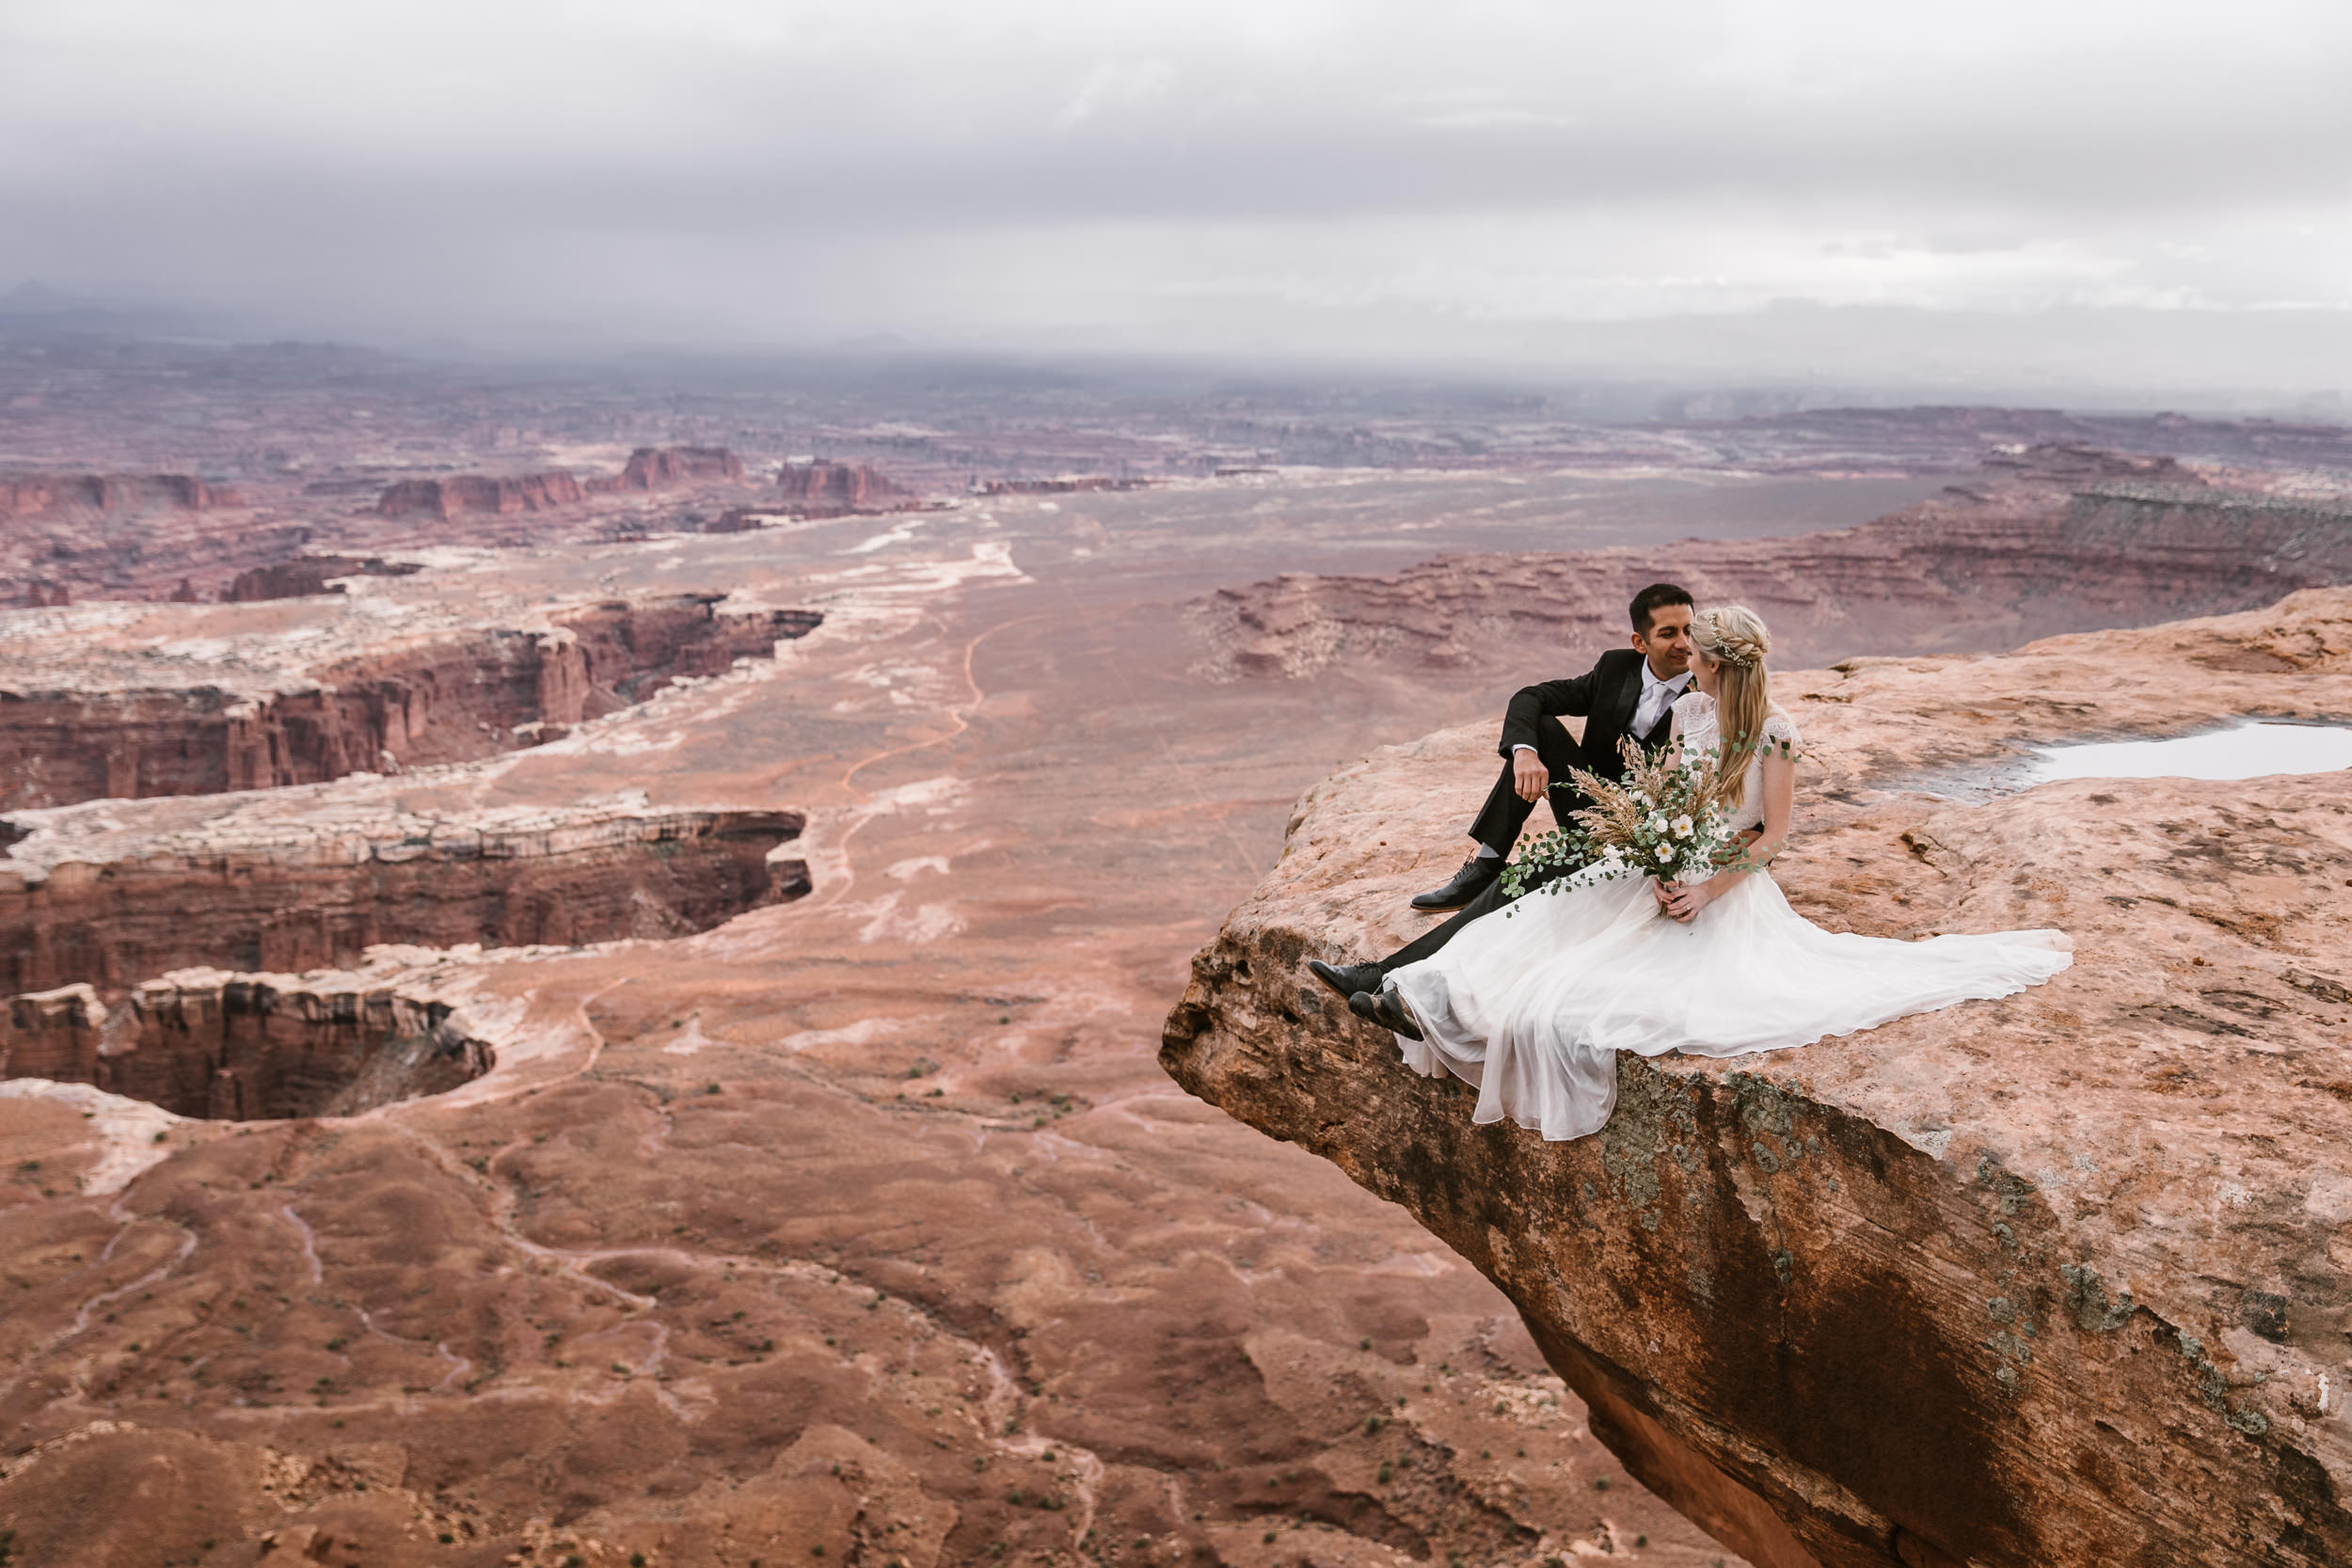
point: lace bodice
(1696, 730)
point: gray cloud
(1277, 172)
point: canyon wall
(436, 701)
(313, 881)
(630, 645)
(443, 701)
(658, 467)
(78, 535)
(144, 535)
(304, 574)
(50, 496)
(481, 495)
(2054, 1279)
(647, 468)
(55, 1035)
(1979, 568)
(837, 489)
(245, 1047)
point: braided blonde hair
(1734, 637)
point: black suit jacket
(1604, 697)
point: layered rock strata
(53, 1034)
(91, 536)
(2055, 1280)
(1983, 566)
(156, 535)
(187, 713)
(479, 495)
(111, 893)
(648, 469)
(658, 467)
(53, 495)
(251, 1047)
(248, 1047)
(306, 575)
(837, 489)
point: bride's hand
(1684, 902)
(1740, 845)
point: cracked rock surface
(2058, 1278)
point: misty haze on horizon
(2097, 203)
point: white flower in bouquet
(1664, 819)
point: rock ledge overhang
(2055, 1279)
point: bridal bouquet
(1665, 819)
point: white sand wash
(2253, 749)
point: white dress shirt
(1657, 697)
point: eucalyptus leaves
(1665, 819)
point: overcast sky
(1279, 174)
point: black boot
(1346, 979)
(1477, 875)
(1385, 1010)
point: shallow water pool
(2253, 749)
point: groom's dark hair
(1650, 600)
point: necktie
(1657, 697)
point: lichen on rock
(2056, 1278)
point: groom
(1629, 692)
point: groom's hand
(1530, 778)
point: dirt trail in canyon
(866, 1221)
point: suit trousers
(1498, 821)
(1498, 826)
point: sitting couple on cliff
(1532, 1010)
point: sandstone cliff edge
(2056, 1279)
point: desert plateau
(603, 973)
(758, 762)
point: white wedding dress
(1531, 1003)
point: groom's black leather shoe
(1381, 1008)
(1348, 980)
(1477, 875)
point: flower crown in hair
(1744, 652)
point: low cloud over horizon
(2128, 192)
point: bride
(1531, 1006)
